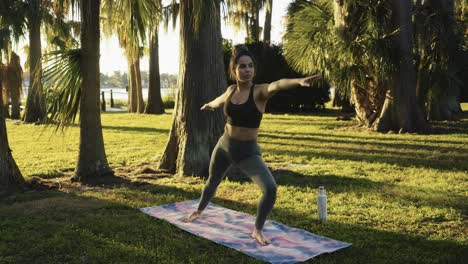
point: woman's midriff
(241, 133)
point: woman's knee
(213, 182)
(271, 191)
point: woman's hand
(307, 82)
(207, 107)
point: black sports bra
(243, 115)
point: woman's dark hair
(237, 52)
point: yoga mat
(233, 229)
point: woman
(244, 104)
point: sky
(112, 56)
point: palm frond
(61, 32)
(169, 14)
(131, 19)
(241, 12)
(312, 42)
(13, 22)
(62, 80)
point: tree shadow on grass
(363, 154)
(377, 141)
(136, 129)
(386, 190)
(321, 112)
(389, 190)
(391, 138)
(436, 160)
(376, 147)
(459, 126)
(450, 127)
(68, 227)
(312, 123)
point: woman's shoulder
(231, 87)
(261, 85)
(261, 90)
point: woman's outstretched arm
(285, 84)
(219, 101)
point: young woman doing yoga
(244, 104)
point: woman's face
(244, 69)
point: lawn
(464, 106)
(397, 198)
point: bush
(118, 103)
(169, 102)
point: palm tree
(201, 78)
(35, 104)
(10, 175)
(439, 40)
(267, 24)
(13, 84)
(92, 159)
(130, 19)
(11, 27)
(73, 77)
(40, 12)
(72, 81)
(155, 104)
(246, 13)
(361, 47)
(400, 110)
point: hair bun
(240, 48)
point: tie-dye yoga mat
(233, 229)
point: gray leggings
(246, 155)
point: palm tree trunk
(256, 23)
(138, 88)
(92, 161)
(365, 109)
(132, 86)
(445, 104)
(14, 82)
(129, 85)
(155, 104)
(339, 15)
(267, 25)
(35, 105)
(442, 107)
(421, 40)
(4, 91)
(10, 175)
(422, 82)
(248, 30)
(132, 99)
(401, 112)
(201, 78)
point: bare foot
(260, 237)
(192, 217)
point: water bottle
(322, 204)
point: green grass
(397, 198)
(464, 106)
(168, 102)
